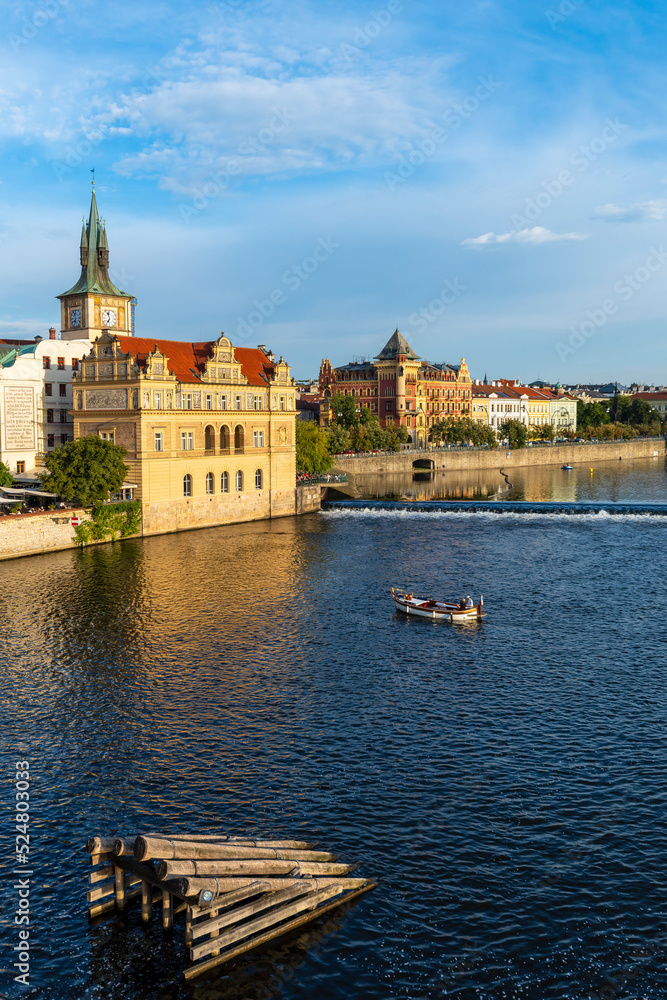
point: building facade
(400, 388)
(209, 428)
(506, 399)
(36, 399)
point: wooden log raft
(237, 893)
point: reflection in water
(504, 782)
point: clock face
(75, 317)
(109, 317)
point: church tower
(94, 305)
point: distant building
(507, 399)
(658, 400)
(400, 388)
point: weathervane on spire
(93, 173)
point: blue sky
(489, 177)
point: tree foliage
(541, 432)
(85, 471)
(463, 431)
(360, 431)
(514, 432)
(312, 448)
(6, 478)
(116, 520)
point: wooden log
(146, 873)
(271, 919)
(256, 942)
(123, 846)
(189, 887)
(247, 866)
(167, 911)
(215, 838)
(100, 845)
(146, 902)
(225, 853)
(265, 902)
(161, 848)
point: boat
(424, 607)
(568, 468)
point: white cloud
(643, 211)
(534, 237)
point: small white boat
(423, 607)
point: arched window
(187, 486)
(224, 438)
(238, 438)
(209, 438)
(224, 482)
(239, 481)
(209, 482)
(258, 479)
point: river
(504, 783)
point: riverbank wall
(457, 459)
(53, 531)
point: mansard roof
(397, 344)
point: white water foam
(595, 517)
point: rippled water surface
(505, 783)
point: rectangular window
(209, 402)
(258, 439)
(75, 364)
(188, 399)
(223, 402)
(61, 364)
(184, 441)
(64, 439)
(63, 416)
(46, 362)
(62, 389)
(282, 402)
(158, 440)
(49, 416)
(238, 402)
(20, 467)
(158, 400)
(50, 441)
(389, 406)
(48, 388)
(107, 436)
(191, 440)
(259, 403)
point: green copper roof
(397, 344)
(94, 258)
(7, 360)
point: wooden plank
(146, 902)
(100, 874)
(256, 942)
(167, 911)
(247, 866)
(103, 890)
(224, 885)
(110, 904)
(239, 913)
(146, 873)
(275, 916)
(100, 859)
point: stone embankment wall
(52, 531)
(494, 458)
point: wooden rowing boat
(423, 607)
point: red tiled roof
(188, 361)
(255, 365)
(650, 397)
(16, 343)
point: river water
(505, 783)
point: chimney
(52, 333)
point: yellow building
(208, 428)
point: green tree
(6, 478)
(541, 432)
(591, 414)
(85, 471)
(344, 409)
(514, 432)
(338, 438)
(312, 448)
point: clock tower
(94, 305)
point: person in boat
(462, 603)
(469, 603)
